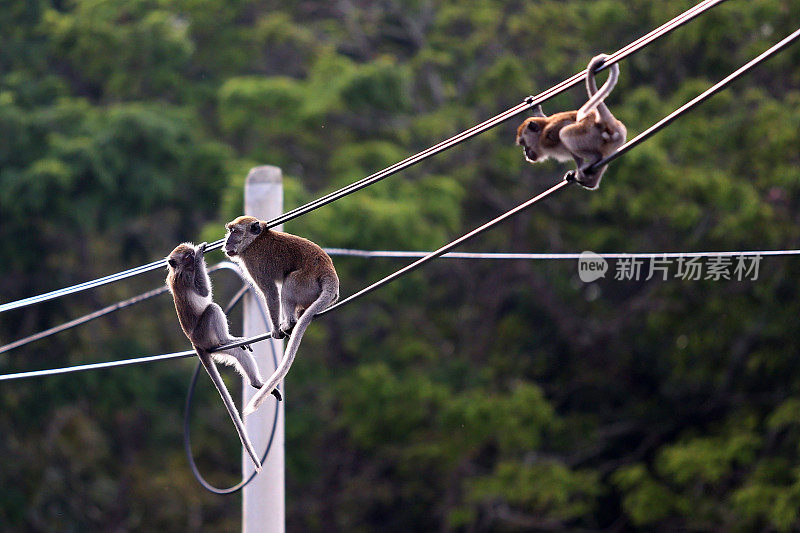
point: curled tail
(330, 293)
(211, 368)
(596, 97)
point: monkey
(587, 135)
(306, 275)
(206, 326)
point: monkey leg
(292, 291)
(588, 178)
(583, 174)
(271, 295)
(245, 364)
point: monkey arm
(202, 283)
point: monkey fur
(586, 135)
(306, 276)
(206, 326)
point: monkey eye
(533, 126)
(255, 227)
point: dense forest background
(471, 395)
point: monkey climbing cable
(529, 102)
(416, 264)
(187, 434)
(441, 251)
(193, 382)
(392, 277)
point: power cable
(89, 317)
(529, 102)
(403, 254)
(82, 320)
(107, 364)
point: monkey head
(529, 134)
(242, 231)
(182, 260)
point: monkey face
(528, 135)
(241, 232)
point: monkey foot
(589, 181)
(278, 334)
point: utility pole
(263, 509)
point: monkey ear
(255, 228)
(537, 111)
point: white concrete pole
(263, 499)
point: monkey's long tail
(211, 368)
(328, 296)
(597, 97)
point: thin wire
(403, 254)
(646, 134)
(529, 102)
(95, 366)
(89, 317)
(83, 319)
(119, 362)
(444, 249)
(187, 433)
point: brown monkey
(305, 273)
(206, 326)
(586, 135)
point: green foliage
(547, 490)
(645, 500)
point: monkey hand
(201, 248)
(584, 178)
(278, 334)
(570, 176)
(247, 347)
